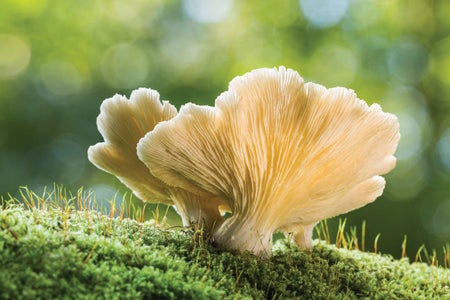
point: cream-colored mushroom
(123, 123)
(283, 153)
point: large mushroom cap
(283, 153)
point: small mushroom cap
(123, 123)
(281, 152)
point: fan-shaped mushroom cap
(283, 153)
(123, 123)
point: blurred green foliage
(60, 59)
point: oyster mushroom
(284, 154)
(123, 123)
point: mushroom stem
(196, 209)
(244, 234)
(302, 235)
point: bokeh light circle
(324, 13)
(125, 66)
(61, 78)
(408, 61)
(15, 55)
(207, 11)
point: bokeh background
(60, 59)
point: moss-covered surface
(52, 254)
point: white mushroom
(123, 123)
(284, 154)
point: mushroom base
(236, 234)
(301, 234)
(195, 209)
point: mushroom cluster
(278, 153)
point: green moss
(52, 253)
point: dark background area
(60, 59)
